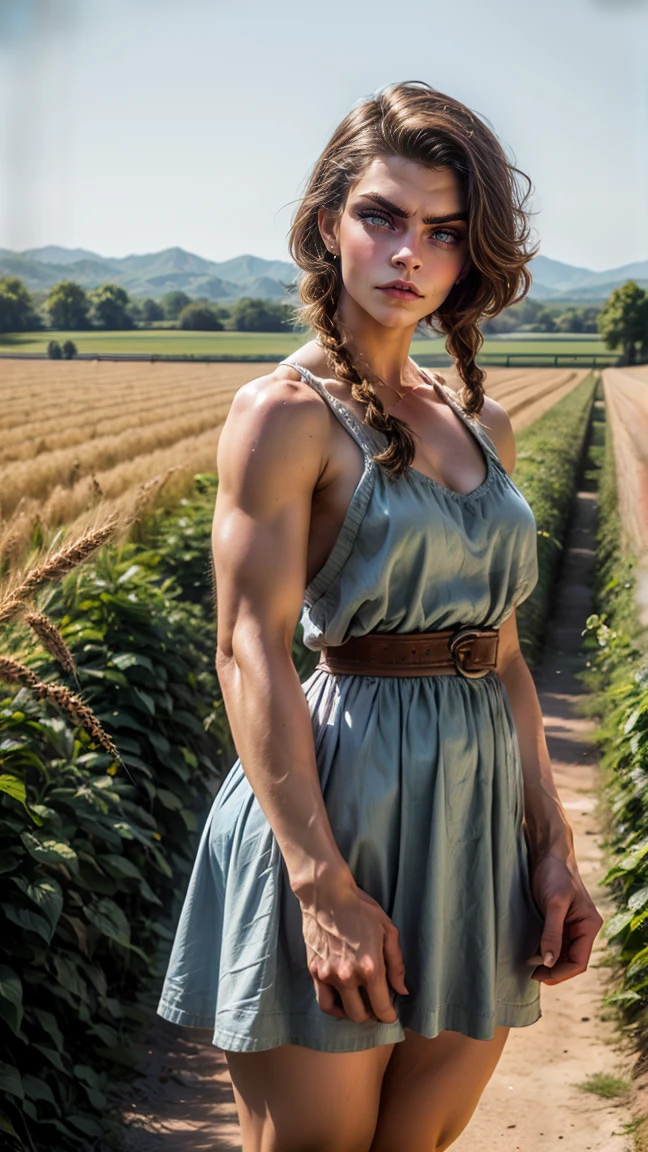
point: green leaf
(54, 1058)
(86, 1124)
(126, 660)
(110, 920)
(108, 1035)
(147, 700)
(46, 894)
(30, 921)
(9, 859)
(7, 1126)
(68, 976)
(617, 923)
(48, 851)
(87, 1075)
(49, 1024)
(14, 787)
(36, 1089)
(10, 1081)
(11, 994)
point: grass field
(179, 343)
(80, 434)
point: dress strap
(360, 433)
(473, 423)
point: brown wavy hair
(415, 121)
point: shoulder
(496, 422)
(276, 424)
(280, 397)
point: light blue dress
(421, 778)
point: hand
(572, 921)
(352, 952)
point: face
(401, 222)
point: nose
(407, 257)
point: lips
(401, 290)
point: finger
(377, 990)
(326, 999)
(394, 959)
(574, 957)
(551, 943)
(353, 1004)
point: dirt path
(531, 1102)
(183, 1099)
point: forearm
(272, 731)
(547, 826)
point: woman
(368, 914)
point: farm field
(74, 433)
(626, 398)
(175, 342)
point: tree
(623, 321)
(151, 311)
(252, 315)
(67, 306)
(173, 303)
(110, 307)
(545, 321)
(17, 312)
(200, 318)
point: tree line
(622, 321)
(67, 307)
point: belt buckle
(455, 652)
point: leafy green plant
(549, 453)
(617, 678)
(93, 858)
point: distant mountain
(155, 273)
(152, 274)
(553, 280)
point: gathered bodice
(412, 554)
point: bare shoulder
(497, 424)
(276, 433)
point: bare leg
(431, 1088)
(293, 1099)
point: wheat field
(78, 434)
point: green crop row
(94, 858)
(616, 675)
(549, 454)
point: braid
(464, 343)
(319, 291)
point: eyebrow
(396, 211)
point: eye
(372, 215)
(454, 236)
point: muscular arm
(548, 829)
(270, 455)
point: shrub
(54, 350)
(93, 858)
(69, 350)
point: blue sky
(128, 126)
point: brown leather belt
(471, 652)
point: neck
(381, 351)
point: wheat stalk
(51, 639)
(57, 565)
(12, 671)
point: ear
(328, 225)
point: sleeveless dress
(421, 778)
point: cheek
(359, 251)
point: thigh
(294, 1099)
(431, 1088)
